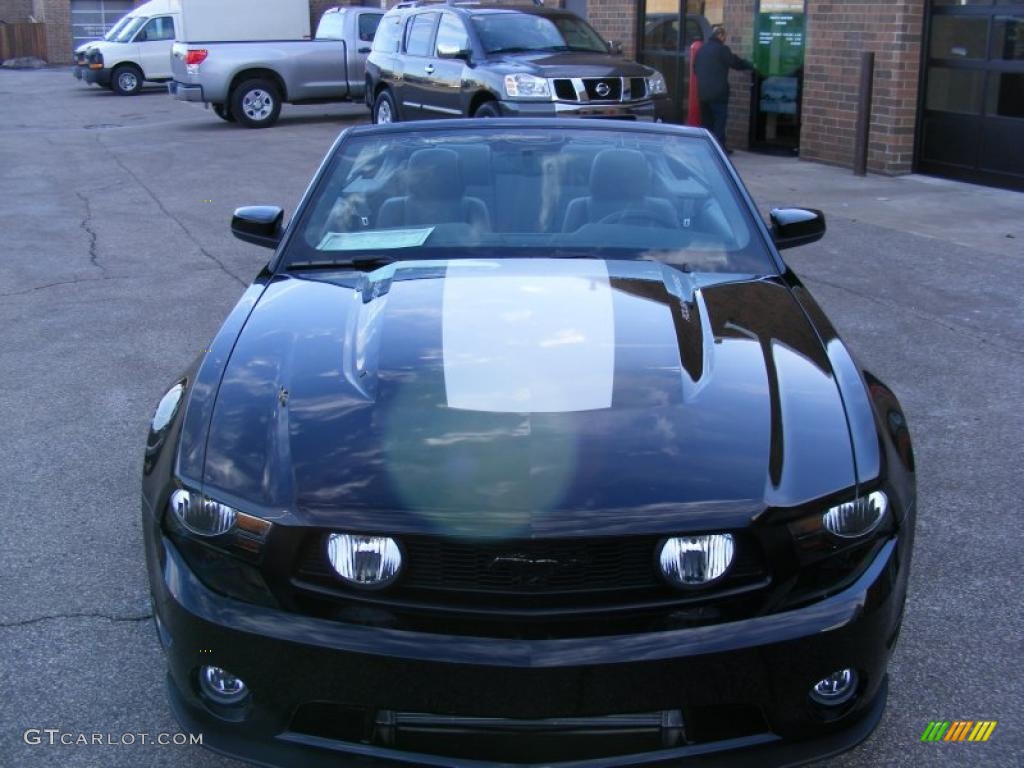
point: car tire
(488, 109)
(384, 110)
(126, 80)
(222, 111)
(256, 103)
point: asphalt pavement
(117, 266)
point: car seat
(619, 182)
(437, 195)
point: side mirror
(258, 224)
(450, 51)
(796, 226)
(614, 47)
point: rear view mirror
(796, 226)
(451, 51)
(258, 224)
(614, 47)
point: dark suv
(447, 59)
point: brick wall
(15, 10)
(739, 28)
(615, 20)
(837, 33)
(57, 16)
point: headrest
(619, 174)
(435, 174)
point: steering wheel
(636, 216)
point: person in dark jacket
(711, 67)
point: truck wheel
(221, 111)
(256, 103)
(487, 109)
(384, 111)
(126, 80)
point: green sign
(779, 56)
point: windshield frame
(126, 34)
(552, 18)
(287, 255)
(111, 34)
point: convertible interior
(522, 191)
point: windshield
(516, 32)
(129, 29)
(115, 30)
(525, 192)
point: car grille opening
(564, 90)
(470, 586)
(603, 88)
(637, 87)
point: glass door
(779, 35)
(666, 33)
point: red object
(693, 112)
(195, 56)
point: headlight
(656, 85)
(856, 518)
(364, 561)
(200, 515)
(526, 87)
(692, 561)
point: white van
(140, 52)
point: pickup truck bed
(248, 81)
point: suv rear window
(418, 32)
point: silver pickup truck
(246, 82)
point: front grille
(603, 88)
(637, 87)
(564, 90)
(523, 567)
(554, 585)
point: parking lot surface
(117, 267)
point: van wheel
(487, 109)
(256, 103)
(221, 111)
(126, 80)
(384, 111)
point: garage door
(90, 19)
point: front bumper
(649, 110)
(185, 91)
(97, 76)
(348, 675)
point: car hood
(571, 64)
(538, 397)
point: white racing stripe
(528, 336)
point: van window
(160, 28)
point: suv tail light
(194, 58)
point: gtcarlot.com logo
(55, 736)
(958, 730)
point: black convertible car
(525, 448)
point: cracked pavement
(115, 273)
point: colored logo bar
(959, 730)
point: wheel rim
(257, 104)
(127, 81)
(384, 112)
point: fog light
(835, 689)
(692, 561)
(221, 686)
(364, 561)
